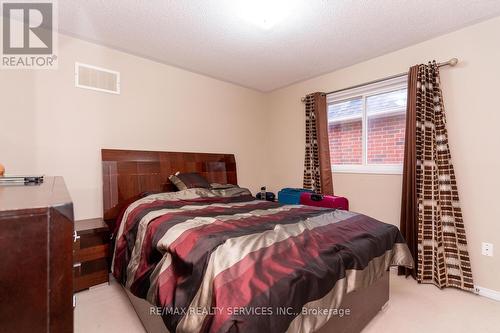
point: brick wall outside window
(386, 139)
(346, 146)
(386, 135)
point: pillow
(184, 181)
(217, 186)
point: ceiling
(266, 44)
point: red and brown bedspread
(234, 264)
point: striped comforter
(223, 262)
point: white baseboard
(485, 292)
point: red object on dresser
(320, 200)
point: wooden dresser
(36, 282)
(90, 253)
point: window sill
(369, 169)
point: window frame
(364, 92)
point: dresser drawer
(90, 238)
(90, 253)
(89, 273)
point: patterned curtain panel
(429, 178)
(317, 166)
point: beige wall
(48, 126)
(473, 113)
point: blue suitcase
(291, 196)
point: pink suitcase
(328, 201)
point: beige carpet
(412, 308)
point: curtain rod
(452, 62)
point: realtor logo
(29, 34)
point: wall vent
(96, 78)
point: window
(366, 127)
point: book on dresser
(36, 279)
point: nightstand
(90, 254)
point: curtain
(431, 217)
(317, 166)
(409, 213)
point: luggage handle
(316, 197)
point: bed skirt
(363, 304)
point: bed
(219, 261)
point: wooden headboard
(128, 173)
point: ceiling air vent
(96, 78)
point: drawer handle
(76, 265)
(75, 236)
